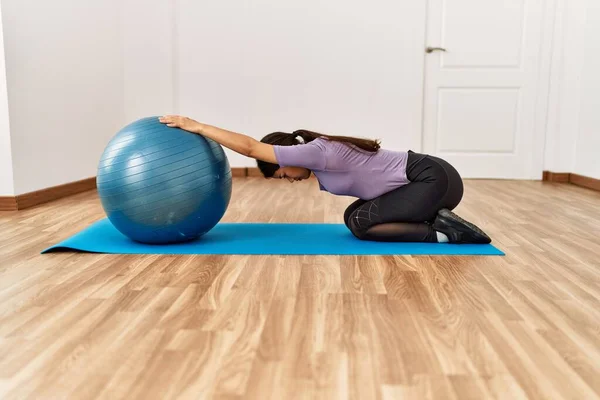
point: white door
(481, 85)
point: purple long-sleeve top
(345, 170)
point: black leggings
(405, 214)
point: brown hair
(290, 139)
(364, 144)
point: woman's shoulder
(321, 142)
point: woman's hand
(185, 123)
(237, 142)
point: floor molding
(8, 203)
(254, 172)
(246, 172)
(585, 181)
(239, 172)
(558, 177)
(38, 197)
(574, 179)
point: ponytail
(364, 144)
(303, 136)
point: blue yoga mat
(258, 238)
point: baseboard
(239, 172)
(8, 203)
(254, 172)
(574, 179)
(585, 181)
(38, 197)
(558, 177)
(246, 172)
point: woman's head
(303, 136)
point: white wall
(6, 172)
(565, 86)
(148, 64)
(587, 154)
(342, 66)
(64, 64)
(573, 130)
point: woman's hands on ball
(185, 123)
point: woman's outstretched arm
(242, 144)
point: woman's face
(292, 173)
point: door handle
(432, 49)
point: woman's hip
(438, 172)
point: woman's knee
(351, 208)
(359, 224)
(356, 230)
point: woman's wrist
(199, 128)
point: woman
(402, 196)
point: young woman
(402, 196)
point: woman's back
(343, 169)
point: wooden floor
(527, 325)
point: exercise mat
(262, 238)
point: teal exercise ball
(162, 185)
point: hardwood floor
(527, 325)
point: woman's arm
(242, 144)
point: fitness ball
(163, 185)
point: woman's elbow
(250, 150)
(263, 152)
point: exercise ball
(163, 185)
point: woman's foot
(458, 230)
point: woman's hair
(290, 139)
